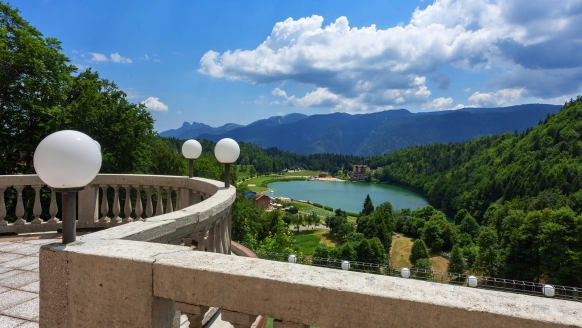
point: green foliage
(424, 264)
(470, 226)
(345, 252)
(280, 241)
(371, 251)
(457, 262)
(323, 251)
(488, 257)
(368, 206)
(328, 208)
(418, 251)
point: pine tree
(368, 206)
(457, 262)
(419, 251)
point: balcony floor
(19, 282)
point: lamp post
(191, 149)
(227, 152)
(67, 161)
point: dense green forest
(522, 191)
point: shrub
(317, 205)
(328, 208)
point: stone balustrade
(95, 210)
(136, 275)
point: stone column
(218, 238)
(201, 240)
(210, 239)
(195, 313)
(237, 319)
(224, 235)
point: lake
(349, 196)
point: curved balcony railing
(104, 203)
(128, 276)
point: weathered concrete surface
(103, 283)
(333, 298)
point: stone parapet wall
(117, 283)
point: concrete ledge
(332, 298)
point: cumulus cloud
(116, 57)
(377, 67)
(499, 98)
(438, 104)
(97, 57)
(155, 105)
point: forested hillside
(524, 189)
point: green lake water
(349, 196)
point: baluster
(2, 208)
(201, 240)
(127, 207)
(238, 319)
(116, 209)
(210, 239)
(138, 206)
(53, 208)
(218, 238)
(19, 206)
(169, 207)
(195, 313)
(37, 209)
(104, 205)
(229, 231)
(149, 205)
(224, 237)
(159, 206)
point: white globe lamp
(191, 149)
(227, 152)
(405, 273)
(472, 281)
(345, 265)
(549, 290)
(98, 144)
(292, 259)
(67, 161)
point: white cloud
(499, 98)
(116, 57)
(279, 92)
(97, 57)
(438, 103)
(179, 113)
(132, 93)
(370, 65)
(145, 57)
(467, 90)
(155, 105)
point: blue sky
(219, 62)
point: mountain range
(374, 133)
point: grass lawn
(306, 208)
(400, 252)
(260, 182)
(240, 175)
(302, 173)
(307, 240)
